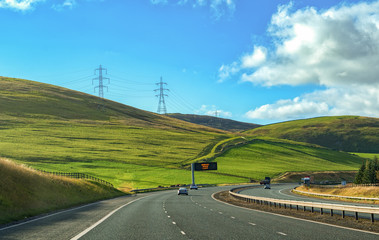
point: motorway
(165, 215)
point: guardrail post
(331, 212)
(372, 217)
(285, 206)
(343, 213)
(304, 208)
(321, 211)
(297, 207)
(313, 210)
(356, 215)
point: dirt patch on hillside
(363, 224)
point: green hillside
(215, 122)
(56, 129)
(346, 133)
(271, 157)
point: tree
(369, 174)
(359, 176)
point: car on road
(193, 187)
(183, 191)
(267, 186)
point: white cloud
(67, 4)
(20, 5)
(255, 59)
(357, 100)
(334, 47)
(159, 1)
(218, 8)
(337, 48)
(227, 71)
(213, 111)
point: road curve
(283, 191)
(165, 215)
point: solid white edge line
(103, 219)
(305, 220)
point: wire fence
(79, 176)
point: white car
(182, 191)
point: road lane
(165, 215)
(64, 224)
(198, 216)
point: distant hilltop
(215, 122)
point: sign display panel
(205, 166)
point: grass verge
(25, 192)
(364, 192)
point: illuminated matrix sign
(205, 166)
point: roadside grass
(271, 157)
(25, 192)
(366, 192)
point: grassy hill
(271, 157)
(346, 133)
(56, 129)
(25, 192)
(214, 122)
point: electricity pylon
(161, 105)
(101, 78)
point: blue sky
(253, 61)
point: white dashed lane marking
(282, 233)
(252, 224)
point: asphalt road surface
(165, 215)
